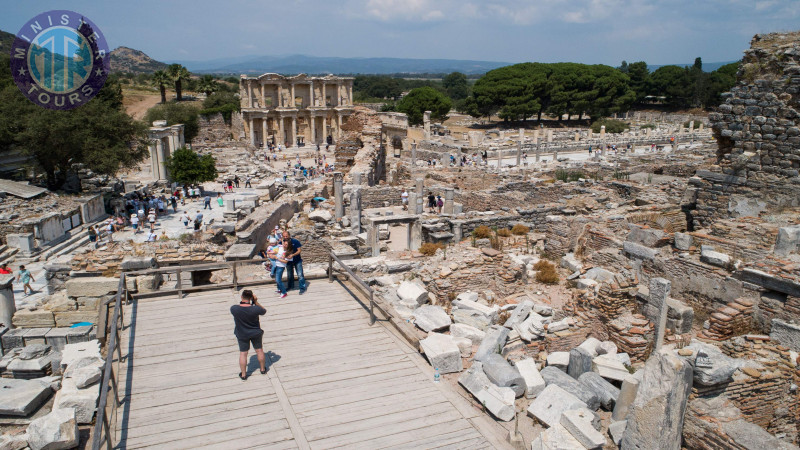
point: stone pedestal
(448, 201)
(458, 232)
(7, 305)
(418, 205)
(230, 206)
(357, 178)
(415, 236)
(602, 133)
(24, 242)
(338, 194)
(426, 124)
(659, 292)
(372, 239)
(413, 154)
(355, 211)
(549, 135)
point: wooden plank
(357, 383)
(291, 418)
(372, 410)
(441, 434)
(193, 408)
(267, 413)
(355, 373)
(256, 441)
(216, 435)
(316, 404)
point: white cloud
(389, 10)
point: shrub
(482, 232)
(568, 175)
(429, 248)
(520, 229)
(504, 232)
(546, 272)
(496, 243)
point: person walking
(294, 263)
(247, 182)
(185, 219)
(92, 235)
(247, 329)
(198, 220)
(207, 202)
(236, 181)
(25, 276)
(220, 202)
(404, 199)
(174, 201)
(439, 203)
(151, 218)
(431, 202)
(135, 223)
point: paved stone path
(333, 380)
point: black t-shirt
(246, 320)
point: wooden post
(180, 288)
(371, 307)
(330, 268)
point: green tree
(175, 113)
(639, 76)
(424, 99)
(674, 84)
(456, 85)
(178, 74)
(99, 134)
(207, 84)
(160, 80)
(376, 86)
(187, 167)
(513, 92)
(218, 99)
(721, 81)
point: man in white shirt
(404, 198)
(135, 223)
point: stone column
(536, 136)
(458, 231)
(700, 127)
(627, 394)
(294, 130)
(313, 123)
(555, 156)
(448, 201)
(338, 194)
(252, 124)
(519, 146)
(602, 133)
(264, 132)
(154, 158)
(355, 211)
(250, 94)
(413, 154)
(499, 158)
(338, 125)
(263, 100)
(291, 100)
(419, 187)
(538, 154)
(324, 96)
(372, 239)
(350, 95)
(282, 131)
(691, 126)
(230, 206)
(577, 136)
(659, 292)
(549, 135)
(159, 162)
(415, 235)
(311, 93)
(280, 96)
(357, 178)
(163, 162)
(426, 124)
(7, 305)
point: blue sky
(585, 31)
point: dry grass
(546, 272)
(520, 230)
(429, 248)
(482, 232)
(504, 232)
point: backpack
(440, 203)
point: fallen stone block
(474, 314)
(580, 361)
(74, 352)
(711, 366)
(320, 215)
(579, 423)
(599, 275)
(787, 334)
(520, 313)
(637, 251)
(499, 401)
(788, 240)
(21, 397)
(13, 441)
(571, 263)
(609, 366)
(554, 376)
(431, 318)
(442, 352)
(551, 403)
(556, 438)
(467, 296)
(714, 258)
(605, 391)
(627, 394)
(493, 342)
(624, 358)
(473, 379)
(534, 383)
(606, 348)
(464, 345)
(616, 430)
(503, 374)
(560, 325)
(83, 401)
(683, 241)
(657, 412)
(411, 294)
(544, 310)
(91, 286)
(591, 345)
(559, 360)
(138, 263)
(461, 330)
(25, 318)
(55, 431)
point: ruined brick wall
(484, 269)
(379, 196)
(315, 249)
(758, 130)
(774, 305)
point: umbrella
(320, 199)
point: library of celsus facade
(294, 110)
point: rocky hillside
(124, 59)
(6, 39)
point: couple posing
(285, 256)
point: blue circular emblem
(60, 60)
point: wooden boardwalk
(333, 380)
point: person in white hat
(272, 252)
(277, 233)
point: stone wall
(758, 130)
(214, 129)
(255, 228)
(380, 196)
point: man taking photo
(248, 330)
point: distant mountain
(291, 64)
(6, 41)
(124, 59)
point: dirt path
(137, 104)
